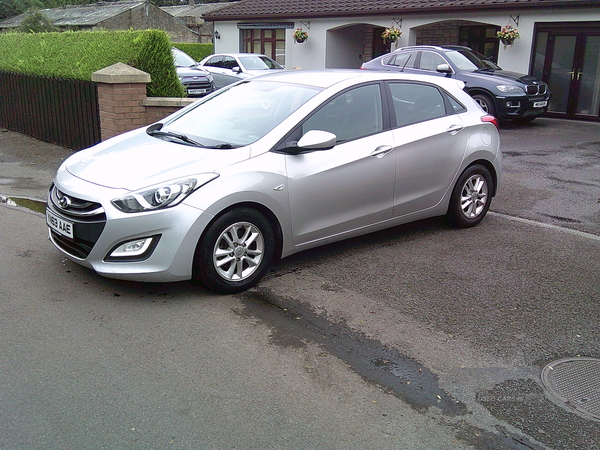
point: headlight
(160, 196)
(510, 89)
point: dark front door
(568, 59)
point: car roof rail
(416, 47)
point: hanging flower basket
(391, 34)
(508, 35)
(300, 35)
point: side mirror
(236, 69)
(444, 68)
(317, 140)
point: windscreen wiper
(155, 130)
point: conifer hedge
(78, 54)
(196, 51)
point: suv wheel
(486, 103)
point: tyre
(486, 103)
(236, 251)
(471, 197)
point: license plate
(59, 225)
(196, 91)
(540, 104)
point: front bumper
(521, 106)
(175, 231)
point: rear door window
(416, 102)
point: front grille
(88, 219)
(75, 207)
(537, 89)
(198, 85)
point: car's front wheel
(235, 252)
(471, 197)
(486, 103)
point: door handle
(453, 129)
(381, 151)
(576, 74)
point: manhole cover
(575, 382)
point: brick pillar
(121, 93)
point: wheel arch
(265, 211)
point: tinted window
(403, 60)
(430, 61)
(351, 115)
(229, 62)
(215, 61)
(416, 102)
(456, 106)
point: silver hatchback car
(271, 166)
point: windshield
(469, 60)
(258, 63)
(183, 59)
(241, 114)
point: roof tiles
(256, 9)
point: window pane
(416, 102)
(430, 61)
(354, 114)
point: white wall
(343, 45)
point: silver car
(272, 166)
(227, 68)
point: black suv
(506, 95)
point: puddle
(294, 323)
(21, 202)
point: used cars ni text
(504, 94)
(271, 166)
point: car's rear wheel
(471, 197)
(235, 252)
(486, 103)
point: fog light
(135, 250)
(510, 104)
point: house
(193, 15)
(120, 15)
(559, 39)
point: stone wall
(123, 103)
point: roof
(289, 9)
(197, 10)
(80, 15)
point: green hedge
(196, 51)
(78, 54)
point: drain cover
(575, 382)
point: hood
(502, 75)
(256, 72)
(190, 72)
(135, 160)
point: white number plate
(540, 104)
(196, 91)
(59, 225)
